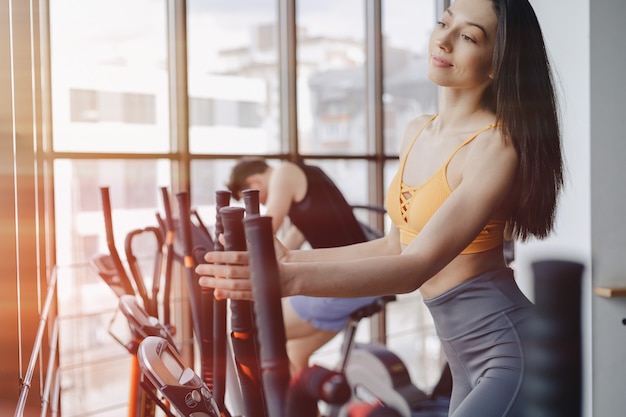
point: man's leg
(302, 338)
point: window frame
(28, 143)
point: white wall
(586, 44)
(608, 202)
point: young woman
(487, 164)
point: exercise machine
(379, 378)
(128, 287)
(281, 396)
(170, 240)
(183, 388)
(153, 344)
(143, 395)
(262, 367)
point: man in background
(307, 198)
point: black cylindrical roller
(251, 201)
(219, 316)
(189, 262)
(269, 316)
(553, 342)
(243, 332)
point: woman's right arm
(235, 264)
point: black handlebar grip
(169, 219)
(243, 334)
(235, 240)
(108, 225)
(189, 261)
(232, 221)
(184, 210)
(219, 316)
(268, 310)
(266, 285)
(222, 199)
(251, 201)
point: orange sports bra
(410, 208)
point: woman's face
(461, 45)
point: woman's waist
(461, 269)
(483, 300)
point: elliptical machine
(379, 378)
(301, 395)
(282, 396)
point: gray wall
(585, 39)
(608, 202)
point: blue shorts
(325, 313)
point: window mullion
(288, 73)
(178, 93)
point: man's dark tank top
(324, 216)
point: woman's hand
(228, 273)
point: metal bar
(178, 92)
(374, 109)
(287, 75)
(25, 386)
(45, 397)
(54, 405)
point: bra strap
(468, 140)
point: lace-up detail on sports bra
(410, 207)
(406, 196)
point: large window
(115, 119)
(331, 77)
(109, 95)
(104, 106)
(406, 90)
(233, 77)
(109, 76)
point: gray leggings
(478, 323)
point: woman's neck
(460, 111)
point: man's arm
(293, 238)
(285, 185)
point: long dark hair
(523, 98)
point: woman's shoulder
(491, 149)
(418, 122)
(492, 137)
(412, 128)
